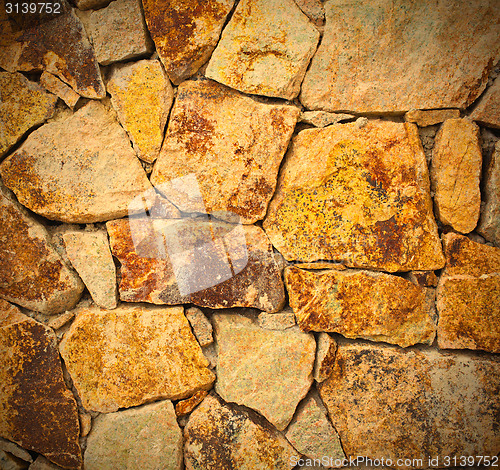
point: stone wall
(250, 234)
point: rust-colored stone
(326, 349)
(423, 278)
(184, 407)
(37, 411)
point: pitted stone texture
(326, 349)
(59, 88)
(23, 105)
(186, 261)
(220, 436)
(119, 32)
(132, 355)
(90, 255)
(468, 296)
(146, 438)
(185, 32)
(487, 112)
(323, 118)
(267, 370)
(142, 96)
(361, 304)
(359, 195)
(79, 170)
(413, 404)
(429, 117)
(265, 49)
(384, 57)
(36, 409)
(455, 174)
(489, 222)
(55, 43)
(32, 273)
(202, 328)
(222, 151)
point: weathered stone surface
(23, 105)
(455, 174)
(36, 409)
(78, 170)
(313, 9)
(148, 438)
(10, 462)
(277, 321)
(55, 43)
(185, 32)
(219, 436)
(85, 420)
(489, 222)
(119, 32)
(59, 88)
(360, 304)
(32, 274)
(131, 355)
(326, 349)
(7, 446)
(185, 407)
(41, 463)
(142, 97)
(384, 57)
(90, 255)
(267, 370)
(186, 261)
(265, 49)
(222, 151)
(468, 296)
(323, 118)
(487, 112)
(423, 278)
(424, 118)
(413, 404)
(202, 328)
(359, 195)
(312, 434)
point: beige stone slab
(487, 111)
(59, 88)
(357, 195)
(429, 117)
(277, 321)
(314, 10)
(202, 328)
(324, 118)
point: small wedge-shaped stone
(324, 118)
(90, 255)
(393, 403)
(37, 411)
(359, 195)
(265, 49)
(455, 174)
(267, 370)
(220, 436)
(142, 96)
(326, 349)
(32, 273)
(23, 105)
(361, 304)
(133, 354)
(79, 170)
(59, 88)
(387, 56)
(207, 263)
(185, 32)
(429, 117)
(222, 151)
(56, 43)
(468, 296)
(201, 326)
(146, 438)
(487, 112)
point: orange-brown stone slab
(356, 193)
(487, 112)
(37, 411)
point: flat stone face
(386, 57)
(359, 195)
(32, 273)
(186, 261)
(424, 118)
(361, 304)
(119, 32)
(489, 222)
(269, 371)
(24, 105)
(413, 404)
(142, 96)
(219, 436)
(487, 112)
(147, 437)
(455, 174)
(90, 255)
(185, 32)
(265, 49)
(277, 321)
(222, 151)
(59, 88)
(37, 411)
(57, 44)
(79, 170)
(468, 296)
